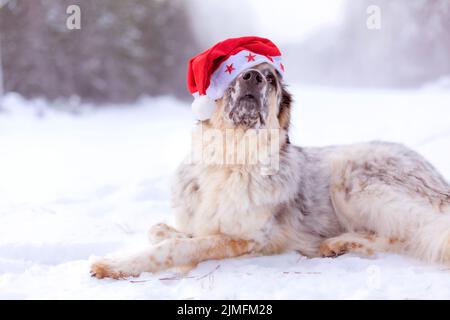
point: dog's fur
(364, 198)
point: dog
(322, 202)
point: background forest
(130, 48)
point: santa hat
(211, 72)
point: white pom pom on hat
(203, 107)
(212, 71)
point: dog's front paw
(110, 268)
(332, 248)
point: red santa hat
(211, 72)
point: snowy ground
(73, 187)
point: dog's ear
(284, 115)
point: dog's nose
(252, 76)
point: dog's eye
(270, 78)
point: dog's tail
(431, 241)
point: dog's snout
(252, 76)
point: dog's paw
(333, 248)
(109, 268)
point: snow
(76, 185)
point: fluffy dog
(363, 198)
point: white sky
(282, 21)
(295, 19)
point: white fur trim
(203, 107)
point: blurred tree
(124, 49)
(2, 86)
(412, 46)
(1, 68)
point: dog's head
(257, 98)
